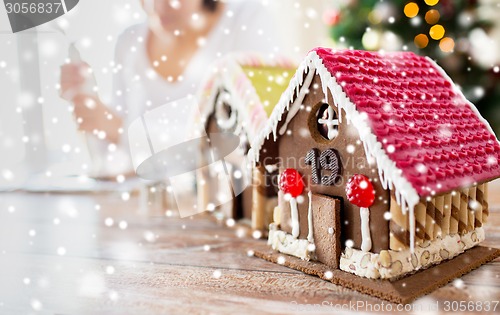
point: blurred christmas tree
(458, 34)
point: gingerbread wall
(302, 136)
(241, 204)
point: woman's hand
(94, 117)
(89, 113)
(73, 79)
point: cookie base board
(401, 291)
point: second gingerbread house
(237, 97)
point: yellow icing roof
(269, 83)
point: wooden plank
(164, 264)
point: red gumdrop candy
(359, 191)
(290, 182)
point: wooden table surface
(99, 254)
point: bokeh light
(447, 44)
(371, 40)
(432, 16)
(437, 32)
(421, 40)
(431, 2)
(411, 9)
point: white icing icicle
(301, 94)
(366, 243)
(310, 236)
(295, 218)
(412, 230)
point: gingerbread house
(383, 166)
(237, 97)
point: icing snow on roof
(425, 125)
(251, 84)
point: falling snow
(93, 284)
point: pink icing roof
(430, 131)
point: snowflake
(349, 243)
(217, 274)
(474, 205)
(421, 168)
(230, 222)
(110, 270)
(387, 215)
(36, 305)
(256, 234)
(109, 222)
(125, 196)
(149, 236)
(113, 295)
(492, 160)
(61, 251)
(328, 275)
(458, 283)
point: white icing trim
(227, 73)
(287, 244)
(293, 110)
(310, 236)
(392, 264)
(330, 124)
(295, 217)
(412, 229)
(390, 175)
(366, 243)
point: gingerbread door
(326, 227)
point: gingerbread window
(327, 122)
(224, 113)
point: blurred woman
(164, 59)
